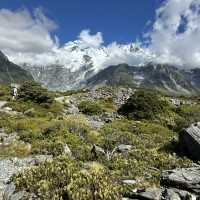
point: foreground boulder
(189, 140)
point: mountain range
(160, 77)
(79, 66)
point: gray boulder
(189, 140)
(122, 148)
(185, 179)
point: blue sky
(28, 29)
(119, 20)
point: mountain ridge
(12, 73)
(153, 76)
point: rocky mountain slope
(78, 66)
(69, 67)
(154, 76)
(12, 73)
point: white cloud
(174, 39)
(21, 31)
(92, 40)
(176, 33)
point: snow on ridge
(71, 56)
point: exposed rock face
(153, 76)
(189, 140)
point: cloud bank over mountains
(174, 38)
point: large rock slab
(185, 179)
(189, 140)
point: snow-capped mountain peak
(80, 60)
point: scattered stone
(72, 109)
(61, 99)
(67, 150)
(96, 151)
(129, 182)
(30, 112)
(96, 121)
(7, 109)
(122, 148)
(6, 139)
(2, 104)
(122, 95)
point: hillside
(12, 73)
(93, 137)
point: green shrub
(93, 185)
(143, 105)
(49, 180)
(5, 92)
(148, 155)
(90, 108)
(63, 178)
(32, 91)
